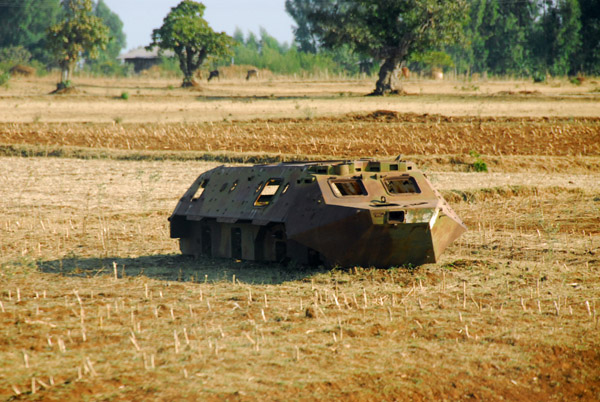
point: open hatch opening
(396, 217)
(268, 192)
(200, 190)
(349, 187)
(401, 185)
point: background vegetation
(529, 38)
(501, 37)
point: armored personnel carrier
(364, 212)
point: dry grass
(504, 315)
(162, 101)
(96, 302)
(437, 334)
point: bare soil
(349, 136)
(503, 315)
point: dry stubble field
(95, 303)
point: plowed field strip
(337, 137)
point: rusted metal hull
(355, 241)
(360, 213)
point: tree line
(25, 36)
(516, 37)
(529, 37)
(500, 37)
(266, 52)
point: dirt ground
(96, 303)
(522, 330)
(346, 136)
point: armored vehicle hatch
(365, 212)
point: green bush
(4, 78)
(125, 95)
(12, 55)
(480, 166)
(108, 68)
(41, 69)
(64, 84)
(539, 77)
(170, 65)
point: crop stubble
(505, 313)
(354, 135)
(510, 311)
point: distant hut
(143, 59)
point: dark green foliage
(267, 53)
(431, 60)
(24, 23)
(498, 38)
(523, 38)
(386, 30)
(478, 165)
(304, 32)
(106, 63)
(115, 25)
(587, 59)
(4, 78)
(527, 37)
(510, 38)
(12, 55)
(538, 76)
(187, 33)
(557, 36)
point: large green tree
(80, 31)
(115, 25)
(304, 31)
(187, 33)
(508, 36)
(558, 37)
(388, 30)
(107, 62)
(587, 59)
(308, 42)
(23, 23)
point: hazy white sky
(140, 17)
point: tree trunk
(65, 75)
(386, 72)
(188, 73)
(184, 55)
(192, 63)
(188, 81)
